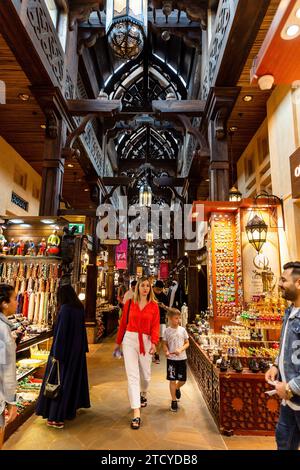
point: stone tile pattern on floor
(106, 426)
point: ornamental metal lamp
(257, 230)
(150, 251)
(235, 195)
(145, 196)
(126, 27)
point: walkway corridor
(106, 424)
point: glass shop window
(60, 20)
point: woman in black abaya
(69, 349)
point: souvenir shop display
(225, 268)
(232, 347)
(53, 244)
(36, 285)
(32, 357)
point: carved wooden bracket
(77, 132)
(221, 123)
(194, 132)
(196, 10)
(88, 39)
(52, 124)
(80, 10)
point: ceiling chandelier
(126, 27)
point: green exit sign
(79, 228)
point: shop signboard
(121, 255)
(164, 270)
(295, 173)
(80, 228)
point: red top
(144, 321)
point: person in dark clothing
(162, 300)
(69, 349)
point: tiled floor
(106, 424)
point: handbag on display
(52, 390)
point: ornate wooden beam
(98, 107)
(169, 109)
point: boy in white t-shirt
(175, 343)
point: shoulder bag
(52, 390)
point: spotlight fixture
(248, 98)
(16, 221)
(24, 96)
(293, 30)
(265, 82)
(48, 221)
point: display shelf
(24, 258)
(31, 371)
(23, 346)
(252, 340)
(257, 326)
(20, 419)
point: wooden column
(219, 105)
(110, 274)
(53, 165)
(91, 282)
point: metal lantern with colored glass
(235, 195)
(257, 230)
(126, 27)
(145, 196)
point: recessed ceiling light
(248, 98)
(24, 96)
(86, 189)
(48, 221)
(207, 180)
(233, 128)
(43, 126)
(70, 165)
(16, 221)
(293, 30)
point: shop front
(233, 344)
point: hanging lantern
(145, 196)
(235, 195)
(126, 26)
(257, 230)
(149, 237)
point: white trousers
(137, 366)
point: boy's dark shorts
(176, 370)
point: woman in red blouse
(139, 334)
